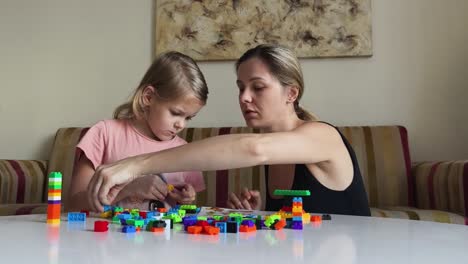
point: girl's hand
(150, 187)
(247, 199)
(183, 193)
(108, 180)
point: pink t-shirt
(112, 140)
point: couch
(396, 187)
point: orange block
(53, 211)
(157, 229)
(246, 228)
(194, 229)
(211, 230)
(280, 224)
(315, 218)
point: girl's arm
(309, 143)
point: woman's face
(262, 98)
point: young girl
(171, 93)
(298, 152)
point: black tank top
(351, 201)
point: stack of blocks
(54, 195)
(297, 213)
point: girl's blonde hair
(173, 75)
(285, 67)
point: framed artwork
(224, 30)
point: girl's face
(167, 118)
(262, 98)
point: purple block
(53, 202)
(248, 223)
(296, 225)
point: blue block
(128, 229)
(107, 208)
(222, 226)
(76, 217)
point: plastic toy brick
(170, 187)
(218, 217)
(76, 217)
(181, 212)
(248, 223)
(157, 229)
(222, 226)
(326, 217)
(194, 229)
(292, 192)
(106, 214)
(280, 224)
(247, 229)
(128, 229)
(162, 210)
(296, 225)
(232, 227)
(315, 218)
(144, 215)
(101, 226)
(202, 223)
(211, 230)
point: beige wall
(69, 63)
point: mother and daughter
(131, 159)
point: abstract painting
(223, 30)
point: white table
(344, 239)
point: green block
(292, 192)
(55, 175)
(202, 218)
(218, 217)
(182, 213)
(55, 186)
(188, 207)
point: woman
(299, 152)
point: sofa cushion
(412, 213)
(442, 186)
(22, 209)
(22, 181)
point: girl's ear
(148, 94)
(292, 94)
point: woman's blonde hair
(285, 67)
(173, 75)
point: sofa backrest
(382, 153)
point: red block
(101, 226)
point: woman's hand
(247, 199)
(183, 193)
(150, 187)
(109, 180)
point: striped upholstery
(384, 160)
(22, 181)
(442, 186)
